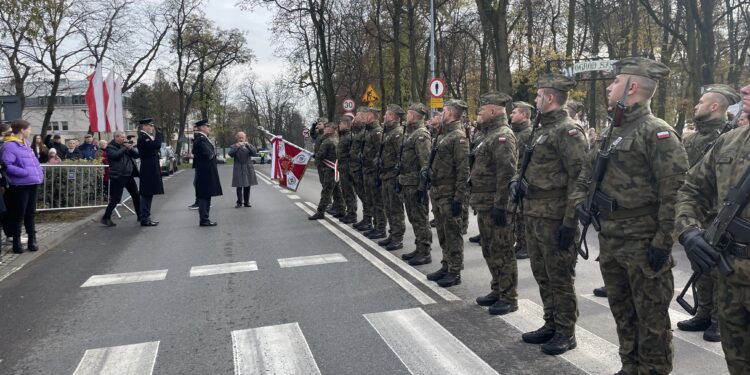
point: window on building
(78, 99)
(59, 100)
(42, 100)
(64, 125)
(54, 125)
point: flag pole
(271, 136)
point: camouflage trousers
(465, 216)
(394, 209)
(375, 194)
(554, 271)
(358, 181)
(707, 294)
(419, 217)
(497, 250)
(639, 299)
(519, 232)
(734, 316)
(347, 191)
(329, 191)
(449, 235)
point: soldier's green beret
(345, 118)
(576, 106)
(731, 94)
(395, 109)
(494, 98)
(555, 81)
(331, 125)
(370, 109)
(458, 103)
(523, 105)
(419, 108)
(641, 66)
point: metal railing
(73, 186)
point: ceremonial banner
(288, 163)
(96, 101)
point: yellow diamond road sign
(370, 96)
(436, 103)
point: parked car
(263, 157)
(167, 160)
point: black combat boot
(339, 214)
(395, 245)
(317, 216)
(365, 220)
(601, 291)
(449, 279)
(349, 219)
(487, 300)
(432, 223)
(695, 324)
(502, 307)
(420, 260)
(521, 253)
(559, 344)
(17, 245)
(437, 275)
(376, 234)
(385, 242)
(540, 336)
(32, 244)
(712, 333)
(411, 255)
(475, 239)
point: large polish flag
(113, 97)
(95, 100)
(288, 163)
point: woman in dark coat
(243, 172)
(149, 144)
(207, 182)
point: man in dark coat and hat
(207, 182)
(149, 145)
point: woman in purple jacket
(24, 175)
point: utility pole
(432, 38)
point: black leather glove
(702, 256)
(657, 257)
(456, 207)
(565, 237)
(583, 215)
(421, 196)
(498, 217)
(515, 190)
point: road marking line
(311, 260)
(424, 346)
(119, 360)
(262, 177)
(422, 278)
(695, 338)
(293, 197)
(280, 349)
(218, 269)
(397, 278)
(284, 191)
(593, 355)
(125, 278)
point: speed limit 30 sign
(348, 105)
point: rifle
(379, 161)
(425, 175)
(398, 186)
(597, 202)
(528, 152)
(721, 234)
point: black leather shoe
(375, 234)
(712, 334)
(149, 223)
(437, 275)
(193, 206)
(559, 344)
(17, 245)
(695, 324)
(107, 222)
(32, 244)
(208, 224)
(238, 205)
(395, 245)
(601, 291)
(385, 242)
(247, 205)
(502, 307)
(522, 254)
(316, 216)
(420, 260)
(487, 300)
(540, 336)
(411, 255)
(475, 239)
(449, 279)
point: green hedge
(66, 186)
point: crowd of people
(637, 182)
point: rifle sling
(629, 213)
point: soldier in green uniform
(710, 118)
(495, 159)
(320, 127)
(326, 155)
(450, 171)
(394, 206)
(356, 173)
(435, 123)
(371, 149)
(415, 156)
(475, 138)
(520, 122)
(708, 187)
(549, 216)
(646, 166)
(346, 181)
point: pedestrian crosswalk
(125, 278)
(224, 268)
(279, 349)
(311, 260)
(119, 360)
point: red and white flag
(96, 101)
(288, 163)
(113, 98)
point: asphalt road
(268, 291)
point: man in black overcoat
(149, 145)
(207, 182)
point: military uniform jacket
(559, 149)
(392, 140)
(343, 149)
(645, 170)
(451, 164)
(356, 147)
(706, 132)
(417, 145)
(494, 166)
(373, 137)
(316, 147)
(522, 131)
(327, 150)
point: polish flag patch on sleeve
(662, 135)
(572, 132)
(502, 139)
(462, 140)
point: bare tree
(17, 25)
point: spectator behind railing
(71, 152)
(40, 149)
(24, 175)
(4, 129)
(102, 151)
(88, 149)
(52, 157)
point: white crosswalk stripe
(593, 355)
(125, 278)
(294, 197)
(119, 360)
(279, 349)
(311, 260)
(218, 269)
(424, 346)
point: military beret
(555, 81)
(322, 119)
(575, 105)
(201, 122)
(331, 125)
(419, 108)
(345, 117)
(395, 109)
(522, 105)
(641, 66)
(731, 94)
(145, 121)
(494, 98)
(371, 110)
(458, 103)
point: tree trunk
(397, 5)
(571, 28)
(414, 74)
(51, 101)
(635, 29)
(530, 31)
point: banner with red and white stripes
(288, 163)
